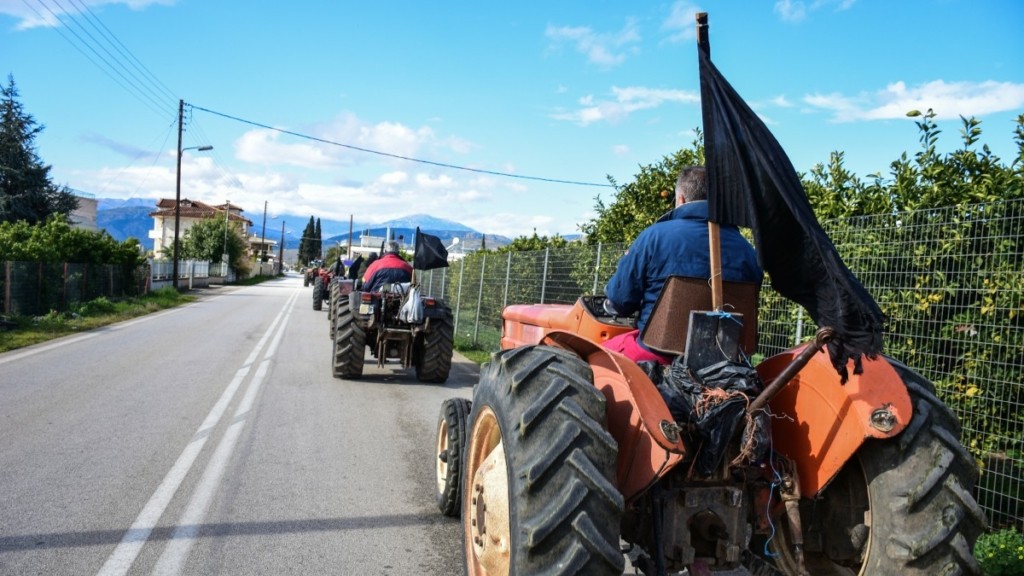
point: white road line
(121, 559)
(175, 554)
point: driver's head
(391, 247)
(691, 185)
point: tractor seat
(667, 327)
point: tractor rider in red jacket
(388, 269)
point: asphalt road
(212, 439)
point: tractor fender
(820, 423)
(636, 415)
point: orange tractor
(573, 459)
(568, 460)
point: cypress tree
(26, 192)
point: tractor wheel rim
(442, 457)
(486, 500)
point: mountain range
(129, 218)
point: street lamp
(224, 256)
(177, 188)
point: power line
(136, 82)
(218, 159)
(122, 49)
(109, 70)
(397, 156)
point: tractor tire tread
(561, 462)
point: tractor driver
(675, 245)
(390, 268)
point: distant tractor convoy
(395, 322)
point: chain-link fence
(949, 280)
(34, 288)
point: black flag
(430, 252)
(752, 183)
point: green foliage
(639, 203)
(318, 239)
(26, 192)
(205, 240)
(97, 307)
(530, 243)
(309, 247)
(1001, 553)
(56, 241)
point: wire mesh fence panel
(35, 288)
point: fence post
(444, 280)
(479, 298)
(544, 275)
(64, 289)
(39, 289)
(508, 273)
(458, 295)
(799, 325)
(597, 267)
(7, 288)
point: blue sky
(572, 91)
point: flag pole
(415, 242)
(714, 238)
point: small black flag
(430, 252)
(752, 183)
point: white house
(192, 211)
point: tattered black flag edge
(429, 252)
(752, 183)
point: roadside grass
(21, 331)
(473, 352)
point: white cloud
(344, 141)
(262, 146)
(392, 178)
(949, 100)
(791, 10)
(620, 150)
(781, 102)
(513, 225)
(797, 10)
(606, 50)
(680, 23)
(625, 102)
(52, 14)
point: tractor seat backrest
(669, 322)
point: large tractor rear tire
(349, 340)
(903, 506)
(318, 293)
(539, 495)
(451, 442)
(332, 307)
(433, 351)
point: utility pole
(350, 236)
(227, 213)
(177, 196)
(280, 250)
(263, 238)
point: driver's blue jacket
(676, 245)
